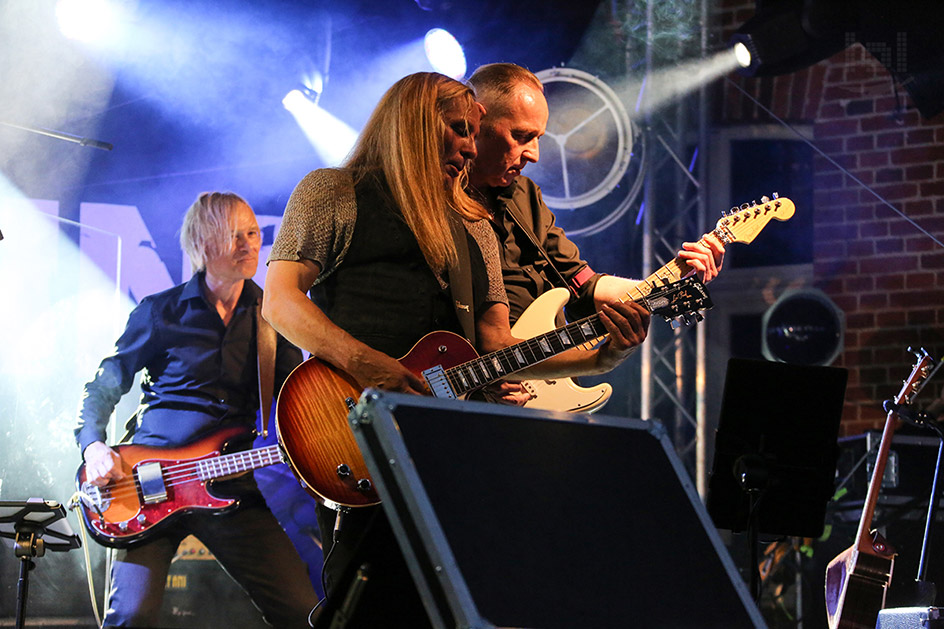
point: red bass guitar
(159, 484)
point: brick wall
(880, 269)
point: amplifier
(909, 471)
(199, 593)
(910, 618)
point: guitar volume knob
(364, 485)
(343, 470)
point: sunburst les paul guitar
(313, 404)
(159, 484)
(564, 394)
(858, 578)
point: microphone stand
(95, 144)
(925, 591)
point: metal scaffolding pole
(673, 360)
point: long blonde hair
(403, 140)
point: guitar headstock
(742, 224)
(919, 373)
(680, 301)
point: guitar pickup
(151, 481)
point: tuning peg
(745, 206)
(733, 210)
(765, 199)
(775, 195)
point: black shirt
(198, 373)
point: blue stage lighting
(85, 20)
(331, 138)
(444, 53)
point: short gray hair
(494, 82)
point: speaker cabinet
(199, 593)
(511, 517)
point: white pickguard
(560, 394)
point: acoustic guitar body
(856, 584)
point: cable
(834, 162)
(73, 504)
(335, 536)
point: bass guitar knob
(364, 485)
(343, 470)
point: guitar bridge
(95, 498)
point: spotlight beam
(331, 138)
(667, 85)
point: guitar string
(181, 473)
(174, 473)
(505, 356)
(718, 232)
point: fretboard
(673, 271)
(238, 462)
(495, 366)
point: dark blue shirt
(198, 374)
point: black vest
(383, 293)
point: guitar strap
(512, 210)
(265, 356)
(460, 279)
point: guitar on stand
(564, 394)
(857, 579)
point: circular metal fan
(587, 151)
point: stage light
(295, 100)
(331, 138)
(444, 53)
(788, 35)
(742, 54)
(85, 20)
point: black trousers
(250, 545)
(368, 582)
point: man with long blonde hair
(379, 240)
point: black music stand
(775, 450)
(34, 526)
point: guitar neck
(672, 271)
(911, 386)
(863, 540)
(238, 462)
(492, 367)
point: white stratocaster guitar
(563, 394)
